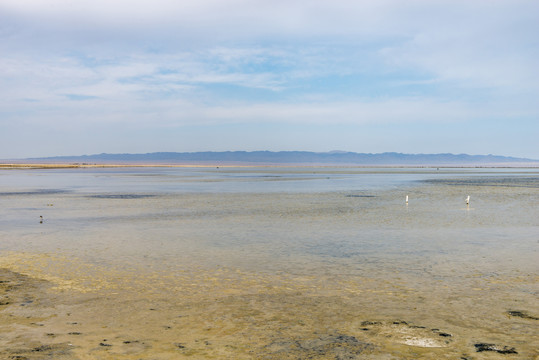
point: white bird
(468, 200)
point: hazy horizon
(368, 77)
(286, 158)
(280, 151)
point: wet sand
(94, 166)
(342, 275)
(229, 314)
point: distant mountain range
(294, 158)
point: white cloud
(157, 63)
(178, 112)
(489, 45)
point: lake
(270, 263)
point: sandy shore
(42, 319)
(38, 323)
(16, 165)
(90, 166)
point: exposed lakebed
(149, 271)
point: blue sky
(134, 76)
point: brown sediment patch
(326, 346)
(401, 332)
(121, 196)
(522, 314)
(16, 289)
(500, 349)
(19, 295)
(40, 352)
(63, 274)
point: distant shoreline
(284, 159)
(6, 166)
(81, 166)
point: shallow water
(274, 263)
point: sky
(139, 76)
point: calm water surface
(287, 255)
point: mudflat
(157, 264)
(231, 316)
